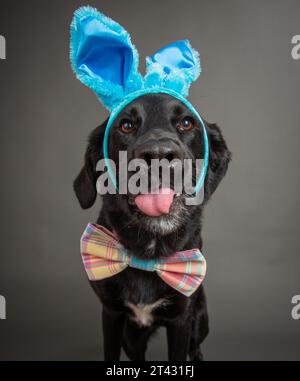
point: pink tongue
(154, 205)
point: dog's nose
(157, 150)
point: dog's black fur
(155, 119)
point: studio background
(250, 86)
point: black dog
(135, 302)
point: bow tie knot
(103, 257)
(145, 265)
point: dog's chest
(145, 296)
(143, 314)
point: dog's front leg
(178, 334)
(113, 325)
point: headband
(104, 59)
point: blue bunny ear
(175, 67)
(103, 57)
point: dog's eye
(126, 126)
(186, 124)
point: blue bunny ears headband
(104, 59)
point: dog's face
(154, 127)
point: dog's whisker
(132, 221)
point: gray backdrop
(250, 86)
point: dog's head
(154, 126)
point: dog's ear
(85, 182)
(220, 157)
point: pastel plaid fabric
(103, 257)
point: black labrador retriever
(135, 302)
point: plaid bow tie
(103, 257)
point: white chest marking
(142, 313)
